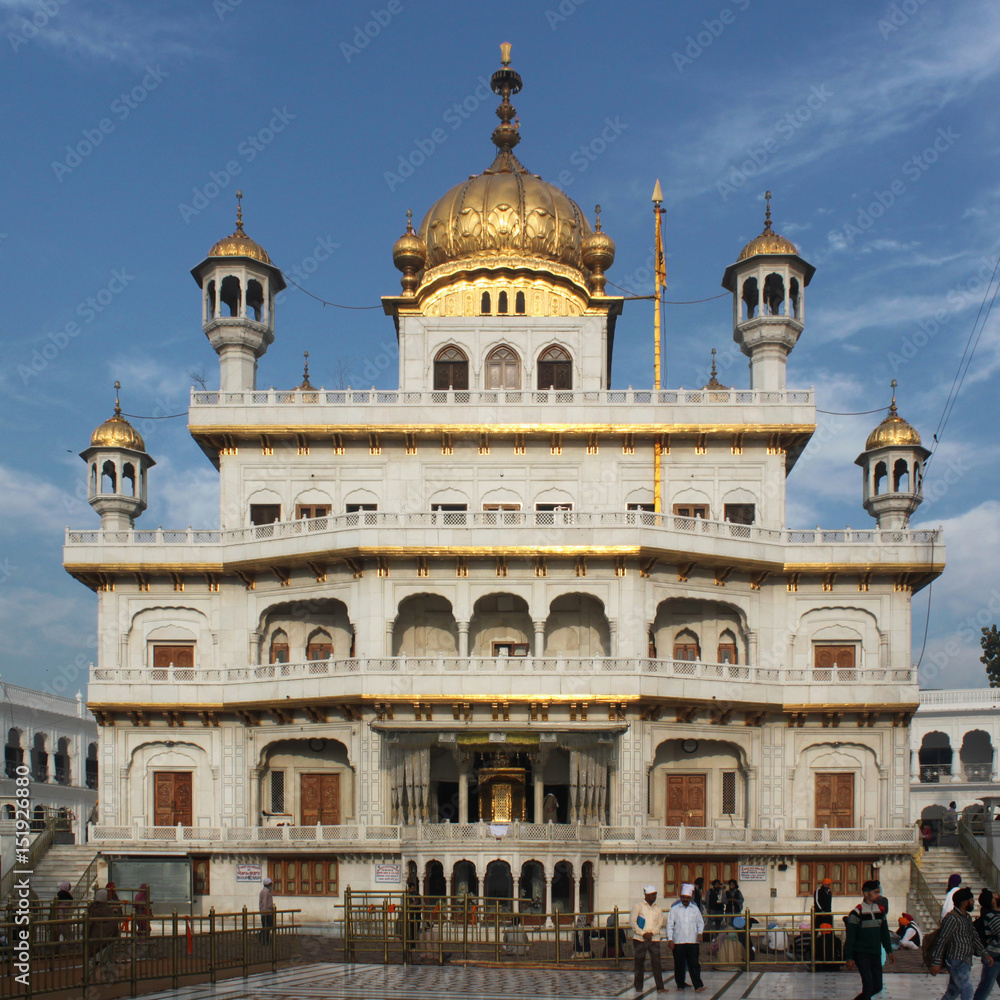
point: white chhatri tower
(768, 284)
(239, 283)
(893, 466)
(117, 464)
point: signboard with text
(753, 873)
(392, 874)
(248, 873)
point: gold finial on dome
(409, 254)
(504, 83)
(597, 251)
(305, 384)
(713, 382)
(116, 431)
(238, 244)
(769, 242)
(894, 430)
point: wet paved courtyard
(330, 981)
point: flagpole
(659, 281)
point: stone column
(463, 794)
(255, 638)
(752, 649)
(463, 639)
(539, 646)
(255, 804)
(612, 637)
(539, 787)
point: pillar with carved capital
(463, 638)
(752, 649)
(539, 647)
(463, 793)
(612, 637)
(255, 640)
(388, 639)
(255, 793)
(539, 789)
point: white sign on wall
(248, 873)
(392, 874)
(753, 873)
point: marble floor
(330, 981)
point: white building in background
(953, 741)
(511, 630)
(56, 740)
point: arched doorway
(434, 880)
(587, 887)
(464, 880)
(503, 369)
(531, 888)
(976, 756)
(935, 757)
(563, 888)
(498, 886)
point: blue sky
(127, 128)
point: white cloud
(32, 505)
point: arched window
(502, 303)
(774, 295)
(485, 308)
(727, 647)
(230, 294)
(91, 766)
(900, 476)
(319, 646)
(109, 478)
(793, 296)
(555, 369)
(519, 303)
(13, 753)
(8, 811)
(880, 477)
(751, 298)
(128, 477)
(503, 369)
(63, 775)
(210, 300)
(39, 759)
(279, 647)
(451, 369)
(255, 299)
(686, 645)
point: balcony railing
(978, 772)
(642, 838)
(500, 521)
(933, 774)
(504, 665)
(493, 397)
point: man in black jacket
(716, 904)
(823, 899)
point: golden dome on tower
(117, 432)
(893, 431)
(238, 244)
(506, 213)
(769, 242)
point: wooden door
(686, 799)
(841, 657)
(835, 800)
(179, 656)
(172, 798)
(320, 798)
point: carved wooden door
(320, 799)
(686, 799)
(172, 798)
(835, 800)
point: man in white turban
(647, 922)
(685, 925)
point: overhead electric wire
(336, 305)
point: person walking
(867, 935)
(957, 942)
(716, 904)
(991, 932)
(103, 927)
(954, 881)
(265, 904)
(823, 899)
(685, 926)
(909, 933)
(646, 921)
(62, 911)
(142, 911)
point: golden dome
(769, 242)
(239, 244)
(894, 430)
(117, 432)
(505, 211)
